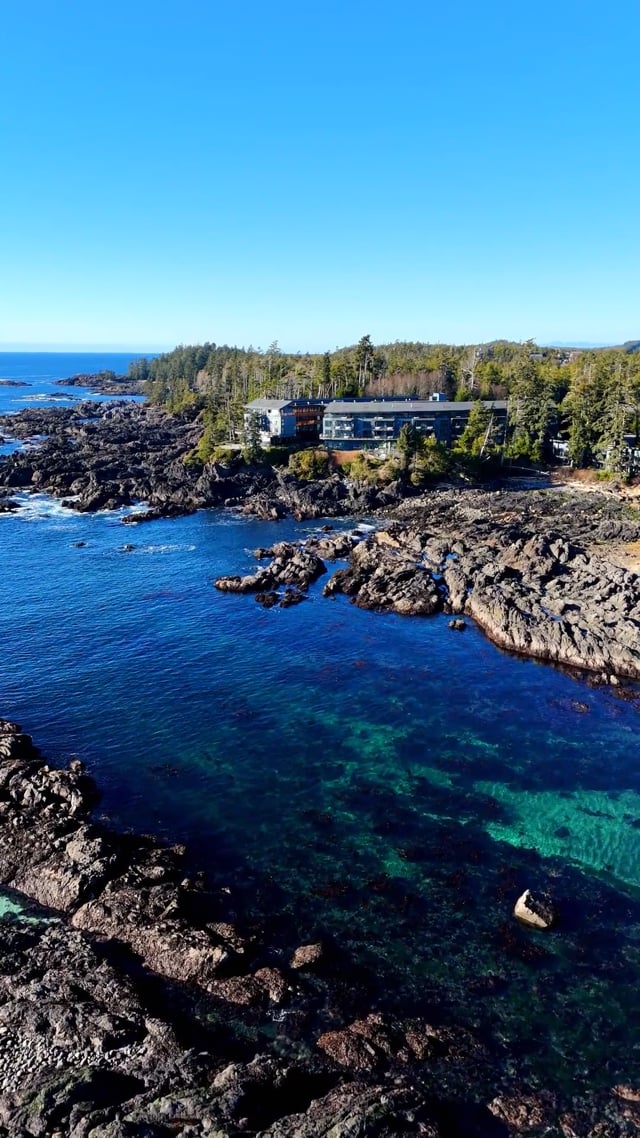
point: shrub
(225, 456)
(277, 456)
(309, 464)
(365, 469)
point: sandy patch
(626, 555)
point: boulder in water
(535, 909)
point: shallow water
(381, 779)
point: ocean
(376, 779)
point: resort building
(363, 424)
(285, 420)
(375, 424)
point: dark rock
(267, 600)
(291, 597)
(108, 1019)
(386, 579)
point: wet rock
(387, 580)
(307, 956)
(291, 565)
(148, 1026)
(348, 1050)
(291, 597)
(268, 600)
(535, 910)
(627, 1092)
(525, 1113)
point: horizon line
(34, 348)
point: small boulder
(535, 910)
(458, 625)
(268, 599)
(307, 956)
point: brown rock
(348, 1050)
(307, 955)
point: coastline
(531, 567)
(416, 539)
(160, 1012)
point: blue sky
(310, 172)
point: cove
(376, 779)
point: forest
(589, 399)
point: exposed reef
(104, 383)
(497, 557)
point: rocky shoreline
(529, 567)
(104, 456)
(134, 1006)
(496, 557)
(104, 383)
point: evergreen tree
(478, 435)
(583, 403)
(612, 447)
(532, 410)
(364, 361)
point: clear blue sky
(313, 171)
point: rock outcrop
(133, 1007)
(535, 909)
(535, 591)
(105, 456)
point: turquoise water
(377, 778)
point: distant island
(104, 383)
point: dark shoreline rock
(104, 383)
(532, 591)
(104, 456)
(530, 585)
(108, 1020)
(524, 565)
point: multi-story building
(285, 420)
(363, 424)
(375, 424)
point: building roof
(396, 406)
(268, 404)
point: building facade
(375, 424)
(363, 424)
(284, 420)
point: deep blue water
(38, 372)
(378, 778)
